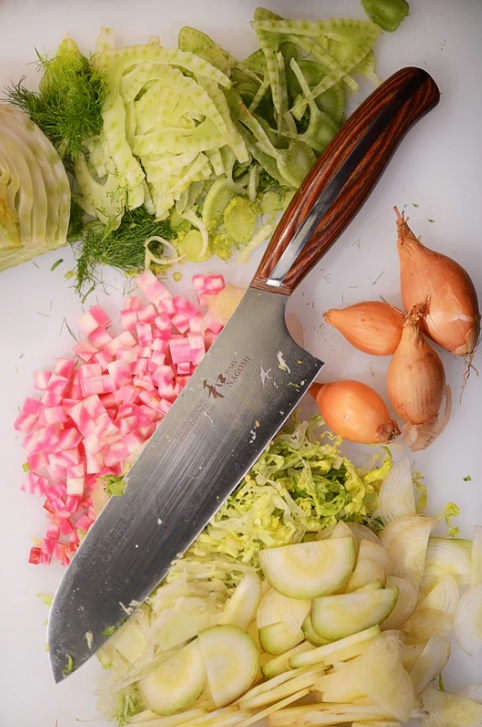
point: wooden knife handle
(343, 177)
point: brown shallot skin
(371, 326)
(452, 319)
(355, 412)
(416, 376)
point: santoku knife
(249, 382)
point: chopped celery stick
(240, 219)
(388, 14)
(191, 247)
(195, 41)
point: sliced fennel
(281, 664)
(335, 617)
(449, 709)
(241, 608)
(366, 571)
(308, 570)
(276, 639)
(396, 497)
(430, 663)
(405, 605)
(341, 650)
(311, 635)
(451, 555)
(476, 557)
(231, 660)
(468, 621)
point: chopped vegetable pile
(208, 147)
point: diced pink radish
(93, 385)
(30, 443)
(167, 392)
(180, 350)
(183, 369)
(109, 400)
(47, 546)
(152, 288)
(74, 538)
(133, 303)
(108, 384)
(92, 319)
(128, 424)
(38, 460)
(185, 307)
(59, 551)
(100, 337)
(196, 341)
(163, 376)
(55, 415)
(126, 393)
(166, 305)
(75, 391)
(76, 470)
(164, 406)
(64, 367)
(145, 351)
(93, 465)
(209, 338)
(215, 283)
(35, 484)
(84, 350)
(146, 415)
(58, 384)
(90, 371)
(139, 366)
(75, 486)
(67, 458)
(82, 418)
(129, 319)
(53, 532)
(144, 333)
(84, 522)
(103, 358)
(211, 325)
(163, 324)
(120, 371)
(147, 314)
(150, 399)
(48, 437)
(197, 356)
(143, 381)
(93, 445)
(125, 339)
(94, 406)
(147, 431)
(182, 381)
(129, 355)
(157, 358)
(50, 399)
(69, 403)
(55, 472)
(132, 442)
(180, 321)
(35, 555)
(25, 422)
(196, 324)
(69, 438)
(211, 284)
(160, 345)
(41, 379)
(65, 527)
(32, 406)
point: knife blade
(240, 395)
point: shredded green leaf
(441, 684)
(467, 479)
(451, 510)
(46, 598)
(56, 264)
(70, 666)
(114, 485)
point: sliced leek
(335, 617)
(276, 639)
(450, 710)
(240, 610)
(405, 605)
(340, 650)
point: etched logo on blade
(229, 377)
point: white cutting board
(437, 168)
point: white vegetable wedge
(476, 557)
(273, 708)
(471, 691)
(427, 622)
(151, 719)
(281, 664)
(292, 612)
(277, 693)
(366, 571)
(309, 570)
(408, 551)
(444, 597)
(267, 612)
(176, 683)
(450, 710)
(276, 639)
(354, 645)
(342, 530)
(362, 532)
(395, 527)
(452, 555)
(468, 621)
(377, 553)
(373, 586)
(405, 605)
(341, 686)
(396, 496)
(310, 633)
(382, 677)
(335, 617)
(231, 660)
(430, 664)
(410, 655)
(340, 714)
(316, 671)
(130, 639)
(240, 610)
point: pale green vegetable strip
(366, 68)
(120, 152)
(269, 43)
(166, 167)
(106, 40)
(197, 222)
(233, 137)
(253, 182)
(105, 201)
(201, 138)
(216, 160)
(241, 112)
(259, 96)
(192, 172)
(323, 58)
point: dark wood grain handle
(343, 177)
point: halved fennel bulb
(468, 621)
(446, 710)
(231, 660)
(276, 639)
(240, 610)
(309, 570)
(383, 679)
(176, 683)
(405, 605)
(430, 664)
(396, 496)
(335, 617)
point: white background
(437, 168)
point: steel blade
(244, 389)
